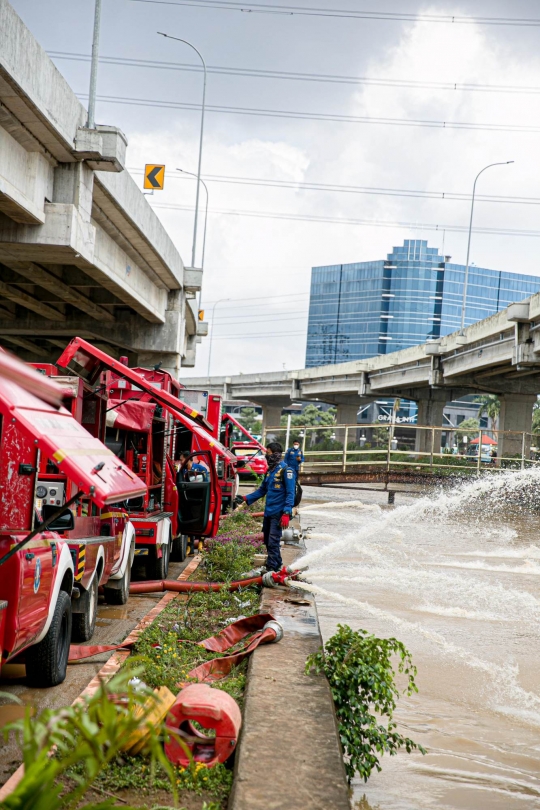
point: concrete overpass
(499, 355)
(81, 250)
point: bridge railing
(440, 450)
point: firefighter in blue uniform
(190, 470)
(294, 458)
(279, 486)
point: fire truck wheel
(179, 548)
(46, 662)
(157, 567)
(119, 596)
(84, 624)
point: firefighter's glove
(284, 522)
(240, 502)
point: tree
(248, 418)
(467, 428)
(490, 404)
(536, 417)
(311, 416)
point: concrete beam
(271, 417)
(38, 275)
(25, 300)
(36, 350)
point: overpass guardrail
(441, 451)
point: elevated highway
(499, 355)
(81, 250)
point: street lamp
(199, 54)
(212, 332)
(91, 120)
(205, 213)
(504, 163)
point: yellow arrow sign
(154, 176)
(201, 314)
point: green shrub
(359, 669)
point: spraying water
(454, 575)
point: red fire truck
(102, 545)
(36, 566)
(148, 426)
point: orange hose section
(153, 586)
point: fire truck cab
(36, 566)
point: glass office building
(368, 308)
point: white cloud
(249, 257)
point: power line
(349, 221)
(344, 14)
(296, 76)
(387, 192)
(306, 116)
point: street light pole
(205, 214)
(463, 306)
(212, 332)
(91, 120)
(194, 245)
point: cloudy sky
(272, 216)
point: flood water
(457, 579)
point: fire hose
(271, 579)
(197, 702)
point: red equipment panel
(84, 459)
(90, 363)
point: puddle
(113, 613)
(11, 712)
(13, 672)
(304, 625)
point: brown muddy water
(457, 579)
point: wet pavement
(113, 625)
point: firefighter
(279, 486)
(190, 470)
(294, 457)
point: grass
(166, 661)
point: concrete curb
(111, 666)
(289, 755)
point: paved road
(112, 626)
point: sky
(266, 227)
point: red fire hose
(271, 579)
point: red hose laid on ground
(225, 639)
(155, 585)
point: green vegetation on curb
(89, 763)
(88, 737)
(359, 669)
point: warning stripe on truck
(81, 560)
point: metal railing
(450, 451)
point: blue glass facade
(368, 308)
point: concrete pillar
(430, 412)
(347, 414)
(272, 418)
(516, 415)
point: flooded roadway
(460, 586)
(113, 625)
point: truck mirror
(64, 523)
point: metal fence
(345, 448)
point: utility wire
(307, 116)
(296, 76)
(349, 221)
(345, 14)
(349, 189)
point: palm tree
(490, 404)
